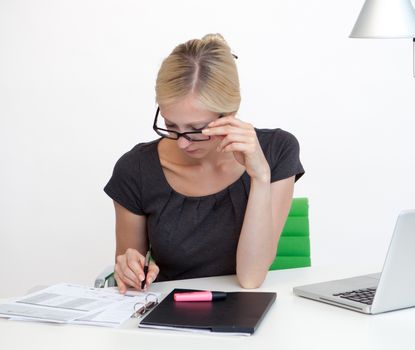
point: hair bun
(215, 38)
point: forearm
(258, 240)
(124, 242)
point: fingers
(247, 141)
(228, 125)
(237, 136)
(135, 263)
(239, 147)
(129, 271)
(129, 268)
(230, 120)
(125, 275)
(223, 130)
(122, 288)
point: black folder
(240, 312)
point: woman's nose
(183, 142)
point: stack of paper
(68, 303)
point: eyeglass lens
(169, 132)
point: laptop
(392, 289)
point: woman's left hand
(241, 139)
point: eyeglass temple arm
(155, 118)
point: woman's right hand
(129, 271)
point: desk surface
(291, 323)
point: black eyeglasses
(175, 135)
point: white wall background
(77, 91)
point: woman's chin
(194, 153)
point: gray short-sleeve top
(194, 237)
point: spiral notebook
(239, 313)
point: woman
(211, 196)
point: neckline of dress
(167, 184)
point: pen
(143, 282)
(199, 296)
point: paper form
(68, 303)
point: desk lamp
(386, 19)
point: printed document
(69, 303)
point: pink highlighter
(199, 296)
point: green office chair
(294, 245)
(293, 248)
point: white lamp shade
(385, 19)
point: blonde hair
(205, 67)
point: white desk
(291, 323)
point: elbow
(251, 281)
(252, 277)
(250, 284)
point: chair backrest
(294, 245)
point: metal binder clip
(140, 309)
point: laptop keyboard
(364, 296)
